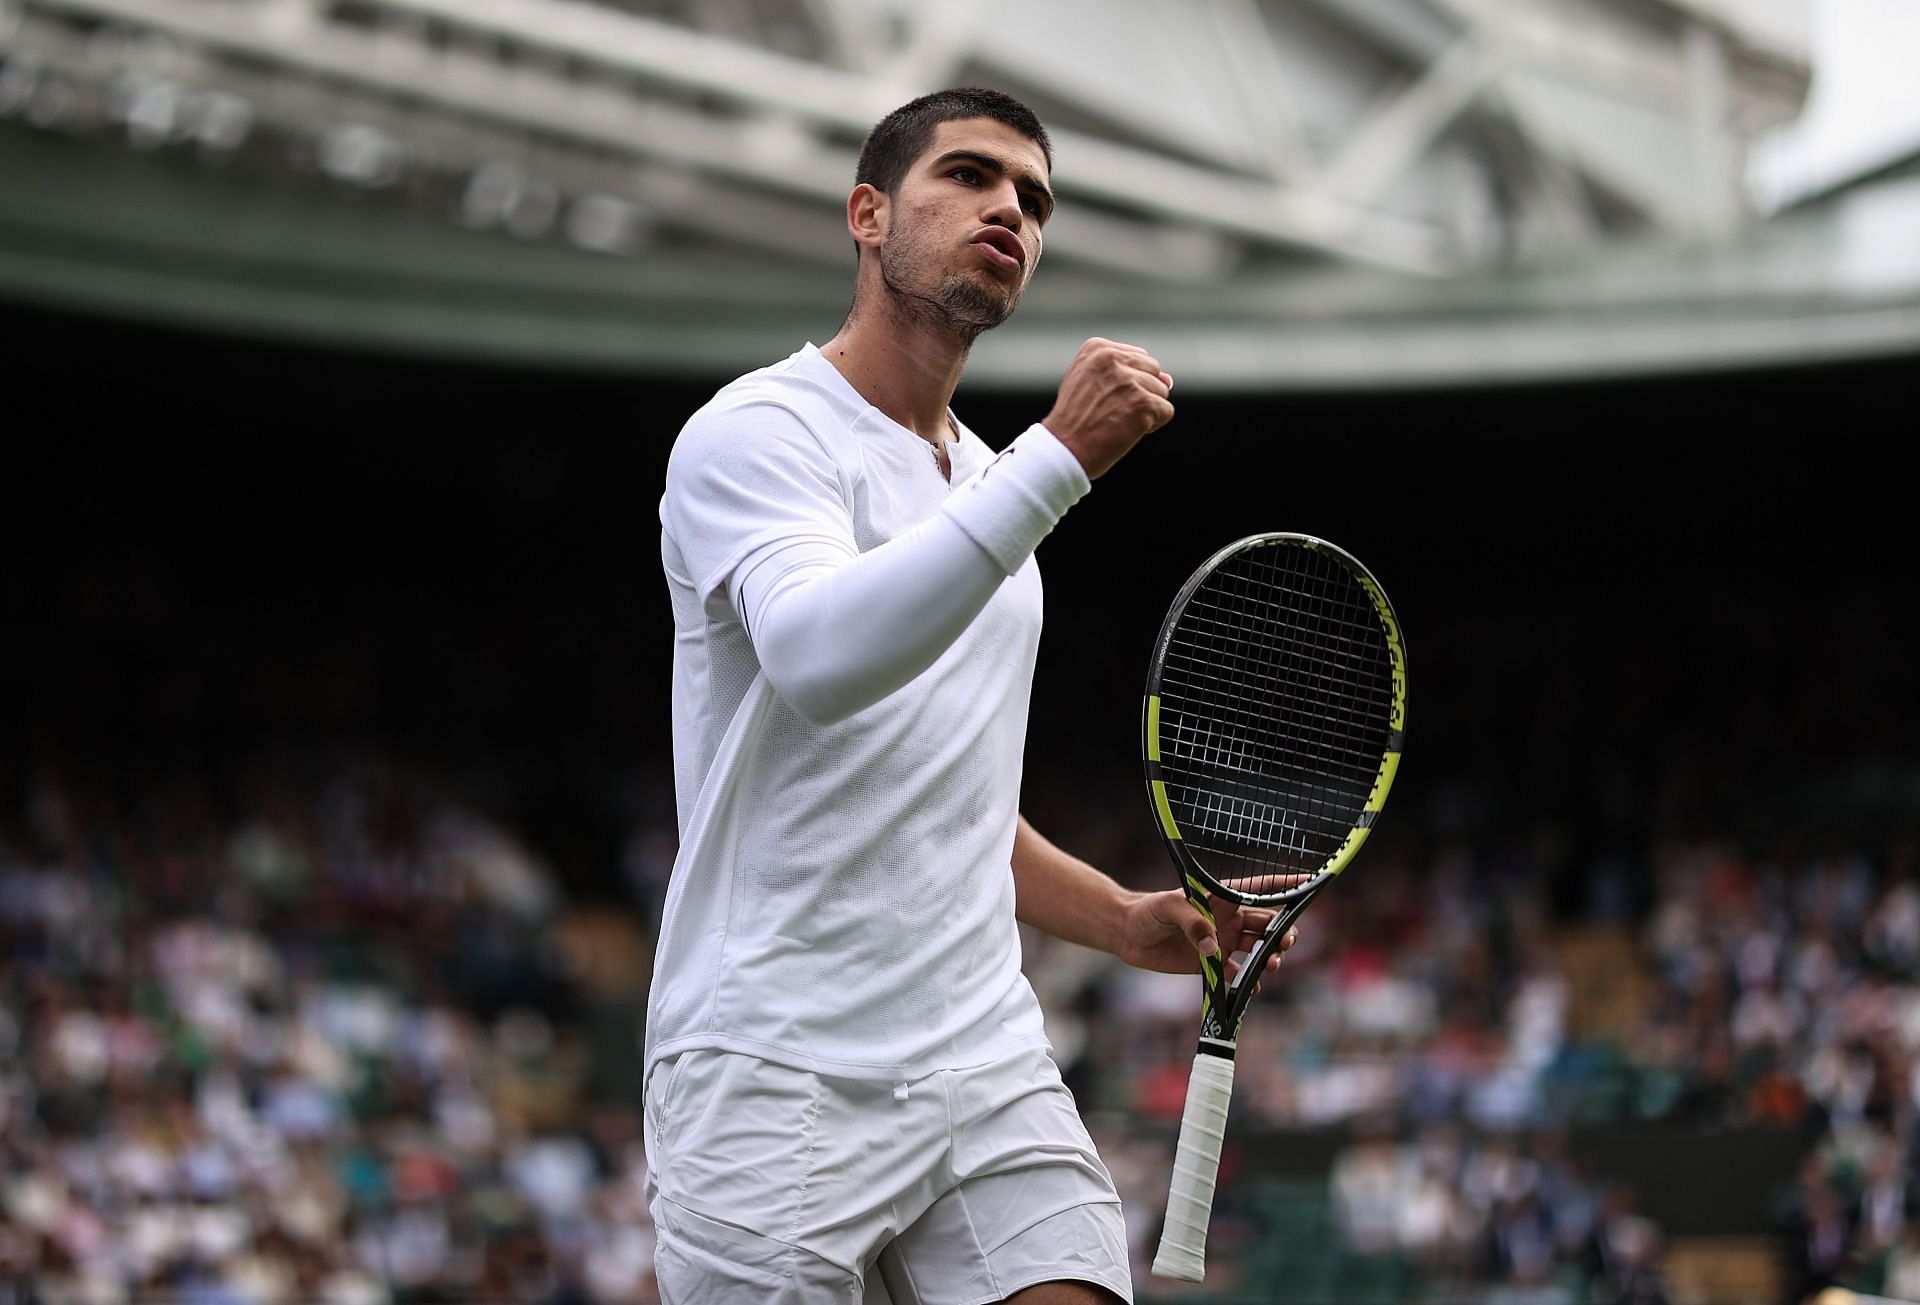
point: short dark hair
(902, 136)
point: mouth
(1001, 247)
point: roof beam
(1168, 189)
(1401, 127)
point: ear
(867, 214)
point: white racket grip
(1196, 1164)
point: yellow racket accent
(1397, 658)
(1389, 766)
(1167, 824)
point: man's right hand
(1113, 395)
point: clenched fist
(1113, 395)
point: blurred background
(344, 342)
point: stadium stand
(328, 1031)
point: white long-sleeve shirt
(854, 647)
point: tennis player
(847, 1079)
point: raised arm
(837, 631)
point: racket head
(1274, 718)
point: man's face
(963, 235)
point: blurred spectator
(308, 1044)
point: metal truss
(1424, 136)
(1289, 183)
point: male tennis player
(847, 1078)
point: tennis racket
(1275, 706)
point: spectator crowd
(310, 1041)
(333, 1032)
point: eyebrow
(1023, 181)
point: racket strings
(1230, 666)
(1275, 693)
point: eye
(966, 174)
(1030, 204)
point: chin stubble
(959, 303)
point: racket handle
(1196, 1164)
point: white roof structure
(1292, 193)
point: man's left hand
(1165, 933)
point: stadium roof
(1308, 194)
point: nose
(1003, 207)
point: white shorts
(772, 1184)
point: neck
(905, 366)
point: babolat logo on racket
(1396, 651)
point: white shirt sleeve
(837, 630)
(744, 477)
(837, 633)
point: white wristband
(1013, 502)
